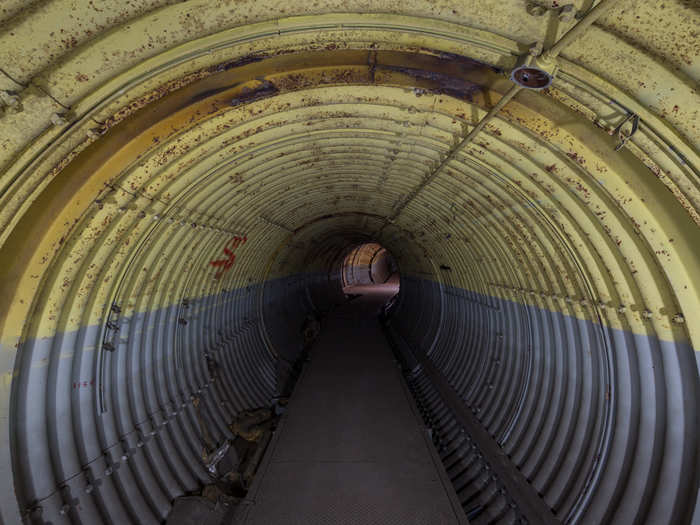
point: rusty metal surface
(156, 152)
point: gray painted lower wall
(603, 422)
(109, 424)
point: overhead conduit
(181, 181)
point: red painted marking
(224, 265)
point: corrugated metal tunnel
(368, 263)
(181, 183)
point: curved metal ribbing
(539, 396)
(483, 497)
(367, 263)
(180, 184)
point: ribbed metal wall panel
(535, 380)
(125, 445)
(206, 166)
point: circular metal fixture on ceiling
(531, 77)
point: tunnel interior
(188, 190)
(369, 263)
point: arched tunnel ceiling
(157, 151)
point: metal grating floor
(351, 448)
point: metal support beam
(454, 151)
(549, 56)
(579, 29)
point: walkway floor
(351, 449)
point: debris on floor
(213, 459)
(251, 424)
(233, 464)
(232, 467)
(310, 329)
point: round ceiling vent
(531, 77)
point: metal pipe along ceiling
(180, 183)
